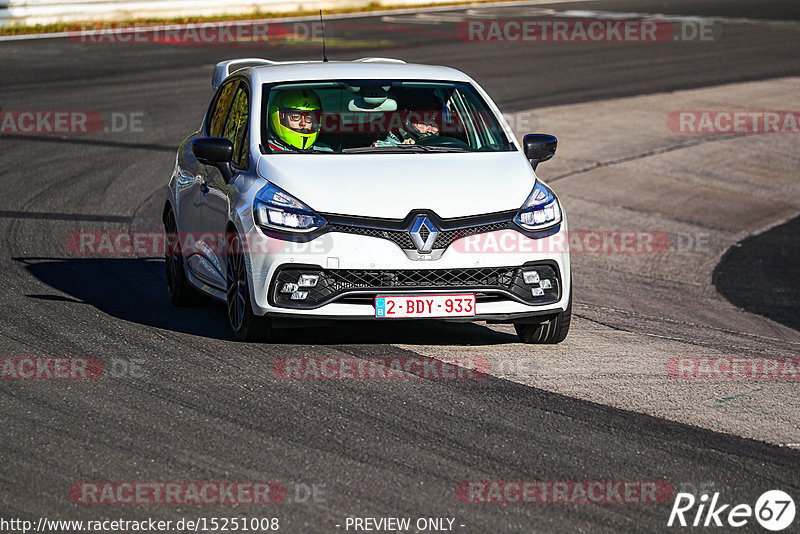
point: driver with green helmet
(294, 119)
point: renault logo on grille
(423, 234)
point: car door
(204, 258)
(219, 196)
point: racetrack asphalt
(202, 407)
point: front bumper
(353, 269)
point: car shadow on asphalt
(134, 289)
(762, 274)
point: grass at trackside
(255, 15)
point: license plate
(403, 306)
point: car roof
(365, 68)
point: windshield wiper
(393, 148)
(434, 148)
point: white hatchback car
(367, 189)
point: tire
(181, 293)
(552, 331)
(246, 325)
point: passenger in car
(422, 119)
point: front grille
(403, 240)
(420, 278)
(399, 238)
(335, 283)
(446, 237)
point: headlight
(278, 210)
(540, 211)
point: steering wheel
(442, 140)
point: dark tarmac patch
(762, 274)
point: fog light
(546, 284)
(308, 280)
(537, 291)
(299, 295)
(530, 277)
(289, 288)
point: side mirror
(539, 147)
(215, 151)
(212, 150)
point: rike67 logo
(774, 510)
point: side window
(236, 126)
(245, 147)
(220, 111)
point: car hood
(392, 185)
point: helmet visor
(301, 120)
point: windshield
(378, 116)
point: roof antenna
(324, 54)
